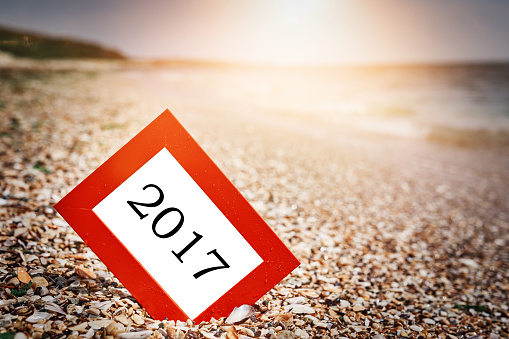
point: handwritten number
(150, 204)
(210, 269)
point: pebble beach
(398, 237)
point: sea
(473, 97)
(462, 104)
(456, 103)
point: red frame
(165, 131)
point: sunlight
(292, 32)
(296, 11)
(304, 32)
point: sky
(293, 32)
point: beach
(399, 217)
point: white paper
(193, 295)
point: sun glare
(302, 32)
(297, 11)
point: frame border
(165, 131)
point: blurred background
(412, 69)
(371, 135)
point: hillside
(37, 46)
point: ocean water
(466, 97)
(457, 103)
(465, 103)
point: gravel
(397, 238)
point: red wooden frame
(165, 131)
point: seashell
(78, 256)
(80, 327)
(75, 283)
(309, 294)
(32, 257)
(40, 282)
(122, 319)
(93, 311)
(5, 322)
(39, 303)
(85, 272)
(239, 314)
(59, 325)
(23, 276)
(20, 231)
(24, 310)
(138, 320)
(232, 332)
(90, 333)
(135, 335)
(42, 291)
(97, 324)
(13, 281)
(34, 318)
(103, 305)
(54, 307)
